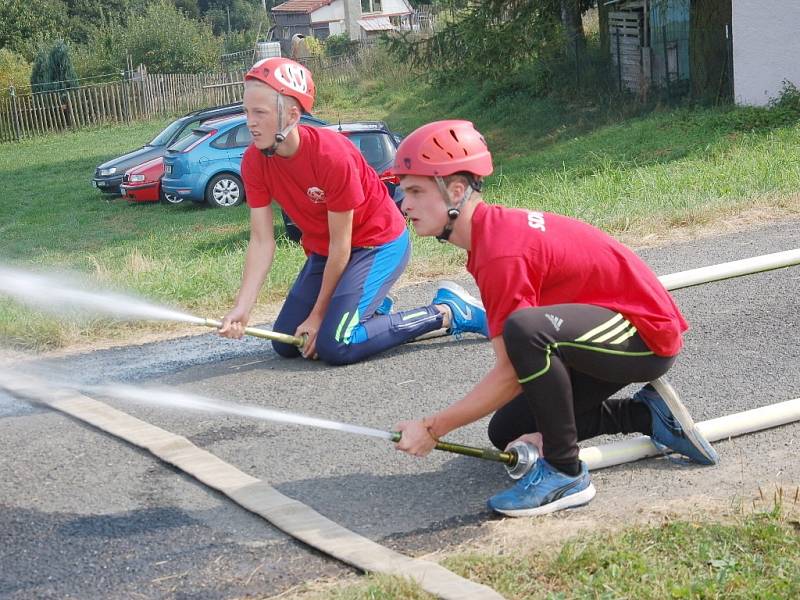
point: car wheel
(170, 198)
(292, 231)
(224, 191)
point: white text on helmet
(292, 76)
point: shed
(649, 43)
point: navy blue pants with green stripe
(570, 358)
(351, 331)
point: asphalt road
(84, 515)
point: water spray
(518, 459)
(55, 292)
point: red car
(142, 183)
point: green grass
(610, 165)
(754, 557)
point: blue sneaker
(544, 490)
(467, 312)
(385, 307)
(673, 428)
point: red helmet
(442, 148)
(286, 77)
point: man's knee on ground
(285, 350)
(332, 352)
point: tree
(40, 72)
(62, 73)
(85, 15)
(52, 69)
(492, 40)
(166, 41)
(25, 20)
(572, 21)
(228, 16)
(709, 51)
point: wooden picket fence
(151, 96)
(33, 114)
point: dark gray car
(108, 176)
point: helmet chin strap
(280, 137)
(452, 211)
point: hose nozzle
(518, 459)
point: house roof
(376, 24)
(301, 6)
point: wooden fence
(120, 101)
(151, 96)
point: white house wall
(766, 47)
(333, 12)
(395, 7)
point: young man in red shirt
(355, 239)
(573, 315)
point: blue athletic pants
(350, 330)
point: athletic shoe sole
(572, 501)
(681, 414)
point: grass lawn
(757, 556)
(621, 172)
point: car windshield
(186, 141)
(163, 138)
(376, 147)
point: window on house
(368, 6)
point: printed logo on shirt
(536, 220)
(556, 321)
(316, 195)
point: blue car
(205, 166)
(108, 176)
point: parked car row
(198, 158)
(108, 176)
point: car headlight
(136, 178)
(107, 172)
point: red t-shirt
(327, 173)
(522, 259)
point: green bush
(339, 44)
(103, 54)
(239, 41)
(162, 38)
(166, 41)
(14, 70)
